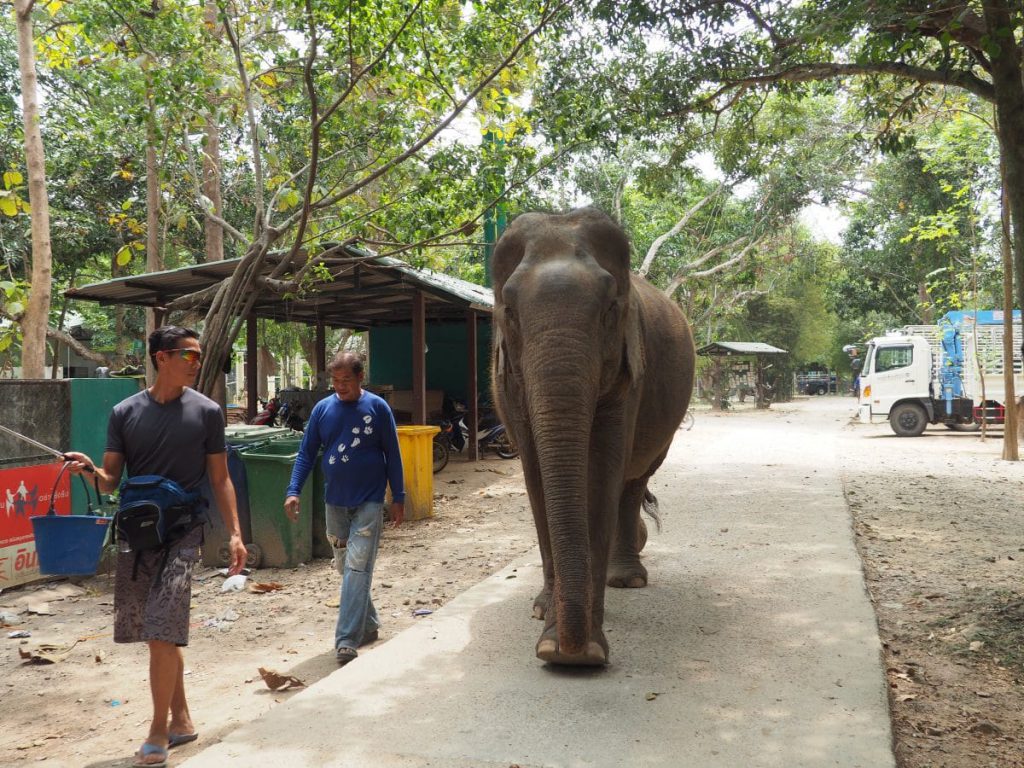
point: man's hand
(78, 463)
(397, 513)
(238, 554)
(291, 508)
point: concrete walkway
(754, 645)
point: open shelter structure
(757, 350)
(364, 291)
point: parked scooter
(491, 435)
(454, 436)
(290, 416)
(268, 416)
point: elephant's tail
(650, 507)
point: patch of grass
(997, 619)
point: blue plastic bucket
(69, 545)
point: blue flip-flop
(148, 750)
(177, 739)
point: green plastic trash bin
(321, 547)
(239, 437)
(283, 544)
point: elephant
(592, 372)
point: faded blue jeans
(361, 527)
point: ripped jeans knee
(353, 533)
(338, 547)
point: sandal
(345, 655)
(177, 739)
(150, 750)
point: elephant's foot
(540, 604)
(594, 653)
(629, 574)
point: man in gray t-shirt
(171, 439)
(172, 431)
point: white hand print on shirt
(368, 431)
(341, 447)
(344, 458)
(355, 430)
(355, 441)
(331, 460)
(367, 419)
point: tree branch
(450, 117)
(814, 72)
(652, 252)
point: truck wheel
(908, 420)
(821, 390)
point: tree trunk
(154, 263)
(36, 318)
(1010, 444)
(211, 156)
(211, 188)
(1009, 99)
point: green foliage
(13, 301)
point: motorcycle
(268, 416)
(442, 445)
(491, 435)
(290, 416)
(454, 436)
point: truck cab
(897, 384)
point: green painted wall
(391, 358)
(91, 402)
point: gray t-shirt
(168, 439)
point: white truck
(950, 373)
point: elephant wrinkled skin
(593, 371)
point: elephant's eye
(508, 315)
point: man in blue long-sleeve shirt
(357, 433)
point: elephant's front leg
(535, 492)
(624, 567)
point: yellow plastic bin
(416, 445)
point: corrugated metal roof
(365, 290)
(725, 348)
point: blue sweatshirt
(361, 455)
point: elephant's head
(568, 337)
(567, 279)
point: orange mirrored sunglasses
(187, 354)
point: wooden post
(320, 364)
(472, 386)
(419, 359)
(251, 363)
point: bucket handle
(88, 499)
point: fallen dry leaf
(276, 681)
(47, 654)
(269, 586)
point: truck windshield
(890, 358)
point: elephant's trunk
(561, 402)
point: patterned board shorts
(145, 610)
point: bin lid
(415, 430)
(243, 434)
(273, 449)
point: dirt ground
(937, 520)
(939, 523)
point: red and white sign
(25, 493)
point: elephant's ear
(635, 354)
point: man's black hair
(168, 337)
(351, 360)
